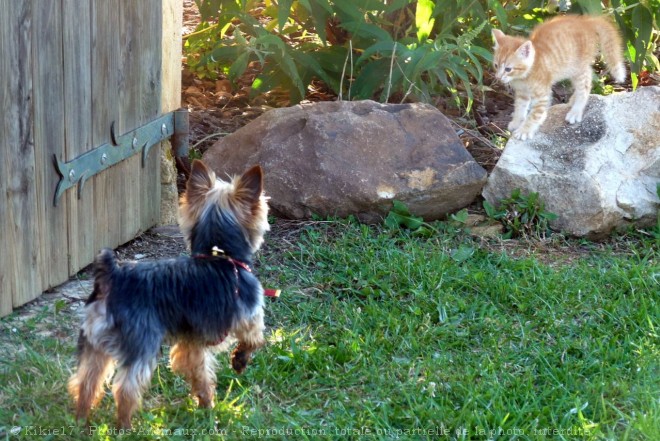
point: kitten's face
(513, 57)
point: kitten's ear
(526, 50)
(497, 36)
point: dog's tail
(611, 46)
(104, 265)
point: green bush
(390, 51)
(360, 49)
(522, 215)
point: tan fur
(562, 48)
(197, 364)
(249, 333)
(243, 196)
(86, 386)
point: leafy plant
(363, 49)
(400, 216)
(521, 215)
(640, 25)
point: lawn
(387, 334)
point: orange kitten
(559, 49)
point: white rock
(598, 175)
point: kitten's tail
(611, 46)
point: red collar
(217, 253)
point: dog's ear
(250, 186)
(201, 180)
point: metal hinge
(79, 170)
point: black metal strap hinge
(79, 170)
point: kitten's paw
(574, 116)
(523, 134)
(514, 124)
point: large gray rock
(598, 175)
(354, 158)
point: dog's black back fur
(196, 297)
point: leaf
(238, 67)
(349, 9)
(320, 10)
(370, 78)
(642, 20)
(221, 53)
(462, 253)
(307, 63)
(591, 7)
(401, 216)
(366, 30)
(500, 13)
(383, 47)
(283, 11)
(423, 19)
(549, 215)
(490, 210)
(482, 52)
(284, 60)
(460, 217)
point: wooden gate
(68, 70)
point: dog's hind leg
(86, 385)
(129, 383)
(250, 335)
(197, 363)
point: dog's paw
(205, 400)
(239, 360)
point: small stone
(488, 230)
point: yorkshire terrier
(192, 302)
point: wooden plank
(77, 127)
(21, 191)
(129, 104)
(139, 92)
(170, 96)
(108, 186)
(9, 134)
(151, 87)
(48, 102)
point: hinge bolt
(135, 142)
(72, 176)
(163, 128)
(104, 158)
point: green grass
(383, 333)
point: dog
(192, 302)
